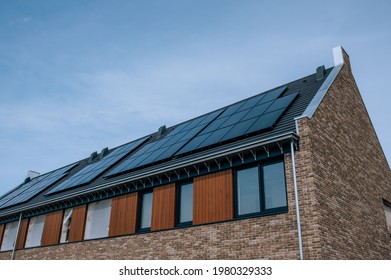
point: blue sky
(78, 76)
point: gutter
(183, 163)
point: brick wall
(345, 178)
(236, 240)
(253, 238)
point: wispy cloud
(20, 20)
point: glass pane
(248, 191)
(186, 203)
(34, 233)
(146, 211)
(9, 236)
(66, 225)
(274, 184)
(98, 219)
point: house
(296, 172)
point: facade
(296, 172)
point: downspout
(16, 237)
(296, 202)
(339, 62)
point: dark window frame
(263, 211)
(140, 205)
(178, 203)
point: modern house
(296, 172)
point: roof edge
(339, 61)
(180, 164)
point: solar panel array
(27, 191)
(93, 170)
(252, 115)
(168, 145)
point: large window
(145, 211)
(34, 233)
(185, 204)
(98, 219)
(9, 236)
(260, 189)
(66, 225)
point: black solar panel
(91, 171)
(19, 190)
(34, 187)
(166, 147)
(254, 114)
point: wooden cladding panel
(24, 225)
(76, 231)
(213, 197)
(163, 207)
(123, 217)
(52, 228)
(2, 228)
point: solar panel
(254, 114)
(27, 191)
(265, 121)
(93, 170)
(166, 147)
(19, 190)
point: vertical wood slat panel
(213, 197)
(123, 216)
(78, 222)
(21, 240)
(52, 228)
(2, 228)
(163, 207)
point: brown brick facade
(345, 179)
(243, 239)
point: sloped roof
(263, 117)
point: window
(145, 211)
(274, 185)
(66, 225)
(185, 204)
(248, 191)
(260, 189)
(98, 219)
(34, 232)
(387, 211)
(9, 236)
